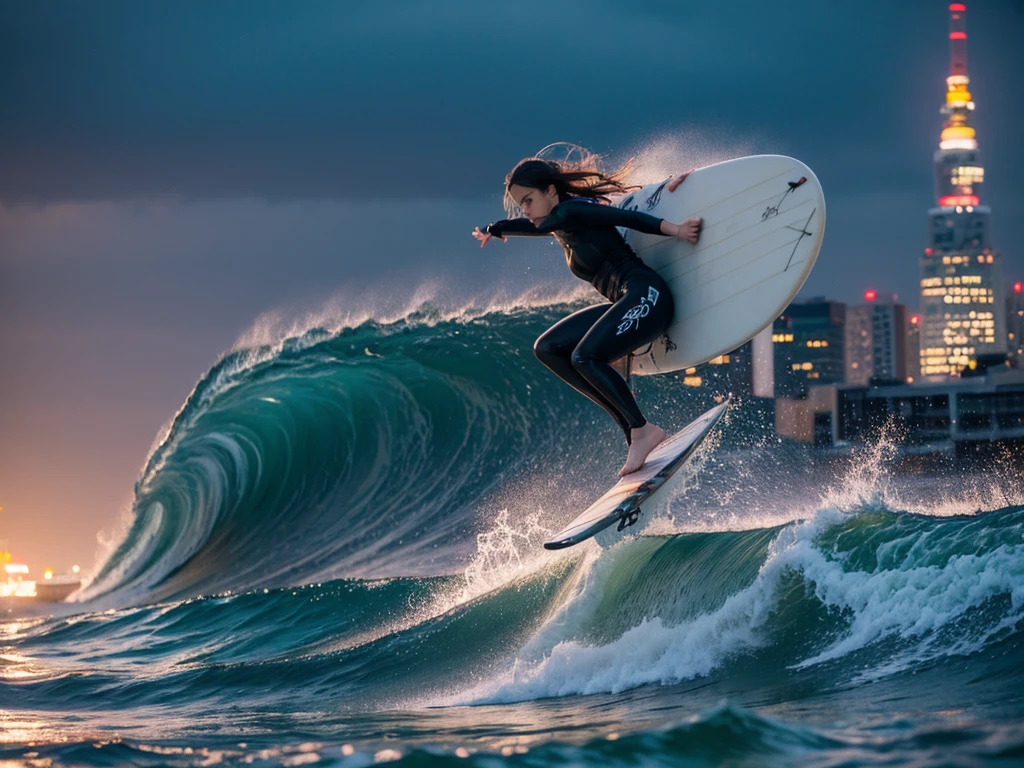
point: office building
(876, 341)
(809, 342)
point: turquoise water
(333, 557)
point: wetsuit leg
(642, 315)
(555, 347)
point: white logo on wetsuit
(632, 316)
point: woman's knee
(583, 356)
(545, 350)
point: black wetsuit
(580, 348)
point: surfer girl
(570, 202)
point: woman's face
(535, 203)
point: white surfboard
(622, 503)
(764, 219)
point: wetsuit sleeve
(515, 228)
(592, 215)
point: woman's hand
(678, 180)
(484, 237)
(690, 229)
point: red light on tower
(1018, 287)
(949, 201)
(870, 295)
(915, 319)
(928, 251)
(957, 7)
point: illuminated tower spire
(958, 170)
(961, 282)
(957, 42)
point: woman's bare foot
(644, 440)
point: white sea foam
(651, 652)
(429, 302)
(505, 552)
(914, 597)
(915, 600)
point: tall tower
(961, 281)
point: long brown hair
(582, 178)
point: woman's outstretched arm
(508, 227)
(584, 215)
(521, 227)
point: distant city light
(957, 7)
(952, 201)
(1018, 287)
(928, 251)
(870, 295)
(959, 144)
(915, 319)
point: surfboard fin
(628, 519)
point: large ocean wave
(358, 513)
(843, 599)
(366, 451)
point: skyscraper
(876, 340)
(809, 341)
(961, 284)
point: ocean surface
(334, 557)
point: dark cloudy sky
(169, 171)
